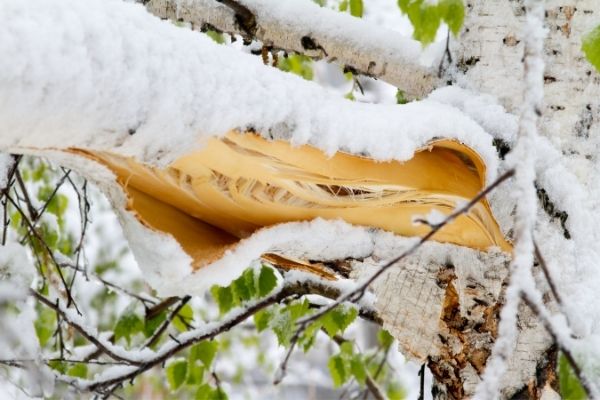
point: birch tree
(461, 221)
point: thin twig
(422, 382)
(81, 329)
(546, 271)
(49, 251)
(581, 376)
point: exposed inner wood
(211, 198)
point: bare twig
(80, 328)
(4, 191)
(282, 370)
(34, 232)
(422, 382)
(160, 307)
(546, 271)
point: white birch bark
(317, 32)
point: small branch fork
(140, 364)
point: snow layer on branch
(107, 75)
(314, 240)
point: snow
(105, 75)
(157, 79)
(18, 339)
(523, 159)
(483, 108)
(156, 71)
(16, 272)
(5, 164)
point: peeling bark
(443, 310)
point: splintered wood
(234, 186)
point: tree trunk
(445, 312)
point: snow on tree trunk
(442, 305)
(446, 313)
(489, 53)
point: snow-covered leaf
(337, 320)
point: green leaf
(357, 367)
(244, 286)
(39, 172)
(152, 324)
(426, 17)
(204, 351)
(337, 320)
(216, 36)
(356, 8)
(283, 323)
(297, 64)
(224, 298)
(58, 205)
(346, 349)
(262, 319)
(343, 5)
(207, 392)
(338, 370)
(78, 370)
(308, 337)
(395, 391)
(128, 324)
(267, 280)
(195, 374)
(453, 13)
(570, 388)
(283, 327)
(401, 97)
(384, 338)
(58, 366)
(591, 47)
(176, 372)
(45, 324)
(185, 315)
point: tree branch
(315, 32)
